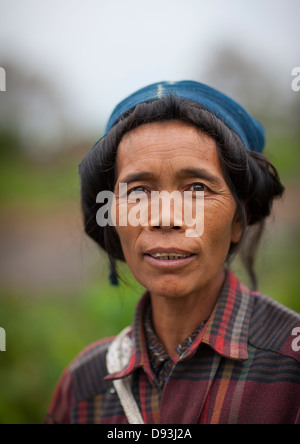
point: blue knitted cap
(249, 130)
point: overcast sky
(96, 52)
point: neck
(174, 319)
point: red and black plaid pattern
(239, 369)
(160, 361)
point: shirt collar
(226, 331)
(139, 357)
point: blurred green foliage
(39, 185)
(46, 331)
(283, 152)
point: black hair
(252, 179)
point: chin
(170, 287)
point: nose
(166, 215)
(166, 228)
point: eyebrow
(136, 177)
(186, 172)
(201, 174)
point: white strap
(117, 358)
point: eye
(199, 187)
(137, 190)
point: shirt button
(112, 391)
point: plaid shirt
(242, 368)
(160, 361)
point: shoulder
(274, 327)
(91, 354)
(82, 379)
(88, 370)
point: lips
(170, 257)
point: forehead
(158, 145)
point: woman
(203, 348)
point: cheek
(128, 237)
(218, 222)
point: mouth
(169, 258)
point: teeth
(170, 257)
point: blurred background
(67, 64)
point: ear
(237, 228)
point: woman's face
(174, 156)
